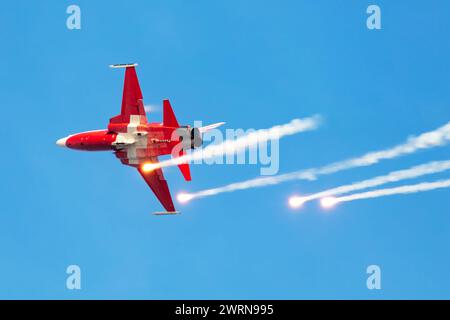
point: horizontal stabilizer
(169, 119)
(184, 167)
(185, 171)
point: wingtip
(123, 65)
(166, 213)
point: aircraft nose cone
(61, 142)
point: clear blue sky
(252, 64)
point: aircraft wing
(155, 180)
(132, 100)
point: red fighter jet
(137, 142)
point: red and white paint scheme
(137, 142)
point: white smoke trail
(395, 176)
(414, 188)
(231, 147)
(435, 138)
(152, 108)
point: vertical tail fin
(169, 118)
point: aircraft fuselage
(154, 135)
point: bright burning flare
(184, 197)
(149, 167)
(328, 202)
(296, 202)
